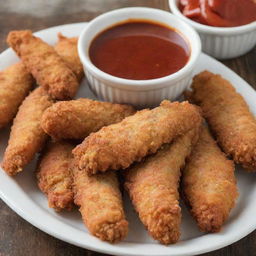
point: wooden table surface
(18, 237)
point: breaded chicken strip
(54, 177)
(119, 145)
(153, 188)
(229, 117)
(15, 84)
(67, 48)
(16, 81)
(100, 204)
(43, 62)
(76, 119)
(26, 137)
(209, 184)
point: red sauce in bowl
(139, 50)
(220, 13)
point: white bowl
(140, 93)
(219, 42)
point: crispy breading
(66, 47)
(229, 117)
(209, 184)
(43, 62)
(54, 176)
(15, 84)
(16, 81)
(76, 119)
(26, 137)
(117, 146)
(100, 204)
(153, 187)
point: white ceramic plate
(23, 196)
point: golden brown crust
(100, 204)
(15, 84)
(119, 145)
(153, 187)
(228, 116)
(26, 137)
(76, 119)
(16, 81)
(46, 66)
(67, 49)
(209, 184)
(54, 176)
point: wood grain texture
(18, 237)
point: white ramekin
(140, 93)
(219, 42)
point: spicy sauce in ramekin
(139, 50)
(220, 13)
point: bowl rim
(225, 31)
(195, 46)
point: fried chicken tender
(209, 184)
(26, 137)
(67, 49)
(54, 176)
(43, 62)
(16, 81)
(117, 146)
(100, 204)
(153, 188)
(76, 119)
(15, 84)
(229, 117)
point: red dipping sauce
(139, 50)
(220, 13)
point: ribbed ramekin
(219, 42)
(140, 93)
